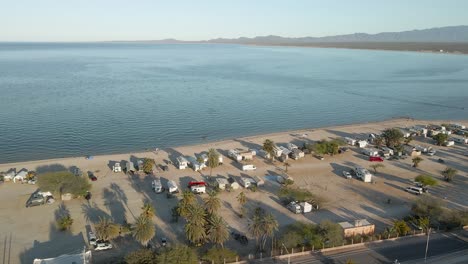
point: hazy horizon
(95, 21)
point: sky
(103, 20)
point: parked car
(91, 176)
(102, 245)
(347, 175)
(414, 190)
(92, 239)
(376, 158)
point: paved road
(406, 250)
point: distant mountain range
(442, 34)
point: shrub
(220, 255)
(63, 182)
(141, 256)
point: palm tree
(242, 200)
(286, 165)
(217, 230)
(148, 210)
(105, 229)
(65, 222)
(212, 203)
(269, 226)
(269, 147)
(144, 230)
(187, 201)
(416, 161)
(213, 159)
(255, 227)
(195, 229)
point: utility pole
(427, 244)
(289, 256)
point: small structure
(20, 176)
(284, 153)
(296, 154)
(129, 167)
(449, 143)
(116, 167)
(240, 154)
(277, 151)
(387, 152)
(411, 151)
(172, 187)
(291, 146)
(204, 156)
(9, 175)
(246, 182)
(262, 153)
(359, 227)
(234, 185)
(371, 152)
(406, 133)
(363, 174)
(66, 197)
(258, 181)
(194, 164)
(181, 163)
(222, 183)
(361, 143)
(140, 165)
(350, 141)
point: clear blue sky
(94, 20)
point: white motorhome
(305, 207)
(414, 190)
(449, 143)
(182, 163)
(350, 141)
(294, 207)
(363, 174)
(116, 167)
(371, 152)
(129, 167)
(246, 182)
(172, 187)
(157, 186)
(361, 143)
(248, 167)
(291, 146)
(222, 183)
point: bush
(148, 165)
(426, 180)
(427, 206)
(65, 223)
(220, 255)
(63, 182)
(141, 256)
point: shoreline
(386, 122)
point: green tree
(220, 255)
(141, 256)
(148, 210)
(392, 137)
(350, 261)
(195, 228)
(440, 138)
(416, 161)
(290, 193)
(449, 174)
(286, 165)
(213, 159)
(179, 254)
(427, 206)
(379, 141)
(105, 229)
(217, 230)
(188, 200)
(376, 166)
(269, 147)
(143, 230)
(331, 233)
(401, 227)
(426, 180)
(63, 182)
(269, 227)
(212, 203)
(242, 200)
(65, 222)
(255, 227)
(424, 223)
(148, 165)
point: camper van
(248, 167)
(363, 174)
(197, 187)
(414, 190)
(157, 186)
(172, 187)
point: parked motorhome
(277, 151)
(406, 133)
(460, 140)
(262, 153)
(363, 174)
(140, 165)
(204, 156)
(284, 153)
(449, 143)
(294, 207)
(411, 151)
(181, 163)
(129, 167)
(350, 141)
(414, 190)
(423, 149)
(197, 187)
(20, 176)
(222, 183)
(157, 186)
(371, 152)
(291, 146)
(248, 167)
(116, 167)
(305, 207)
(172, 187)
(361, 143)
(387, 152)
(247, 182)
(258, 181)
(233, 183)
(239, 154)
(296, 154)
(194, 164)
(457, 126)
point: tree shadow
(50, 168)
(92, 213)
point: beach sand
(30, 232)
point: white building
(182, 163)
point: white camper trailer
(129, 167)
(371, 152)
(222, 183)
(182, 163)
(248, 167)
(350, 141)
(305, 207)
(172, 187)
(361, 143)
(363, 174)
(246, 182)
(116, 167)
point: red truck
(377, 159)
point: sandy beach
(28, 233)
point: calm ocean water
(59, 100)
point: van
(248, 167)
(157, 186)
(414, 190)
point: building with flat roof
(358, 227)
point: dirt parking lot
(28, 233)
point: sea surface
(74, 99)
